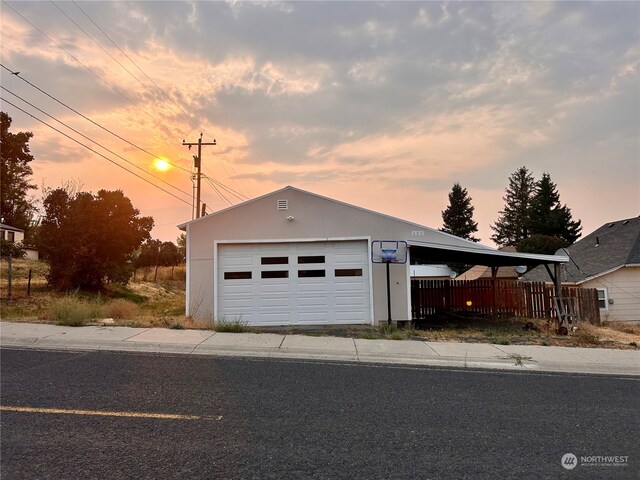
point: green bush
(73, 311)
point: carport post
(558, 285)
(388, 295)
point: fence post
(29, 284)
(9, 277)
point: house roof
(613, 245)
(10, 228)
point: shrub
(121, 308)
(73, 312)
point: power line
(76, 59)
(192, 122)
(97, 43)
(90, 120)
(189, 119)
(100, 78)
(218, 191)
(94, 151)
(236, 194)
(91, 140)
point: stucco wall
(314, 218)
(623, 287)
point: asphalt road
(304, 420)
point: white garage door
(312, 283)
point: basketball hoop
(389, 251)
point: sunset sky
(383, 105)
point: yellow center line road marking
(60, 411)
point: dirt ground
(162, 304)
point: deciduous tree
(90, 239)
(15, 173)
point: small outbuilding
(292, 257)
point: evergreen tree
(513, 224)
(457, 219)
(548, 216)
(15, 209)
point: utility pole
(197, 161)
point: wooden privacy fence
(500, 297)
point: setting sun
(161, 164)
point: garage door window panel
(274, 260)
(274, 274)
(310, 259)
(348, 272)
(311, 273)
(237, 275)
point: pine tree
(457, 219)
(15, 173)
(513, 224)
(548, 216)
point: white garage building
(296, 258)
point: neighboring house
(608, 260)
(296, 258)
(16, 235)
(478, 272)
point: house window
(11, 236)
(348, 272)
(311, 259)
(274, 260)
(602, 298)
(237, 275)
(310, 273)
(275, 274)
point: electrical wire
(97, 76)
(97, 43)
(184, 113)
(93, 141)
(94, 151)
(238, 195)
(76, 59)
(213, 185)
(189, 119)
(92, 121)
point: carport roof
(429, 252)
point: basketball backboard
(389, 251)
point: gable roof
(613, 245)
(183, 226)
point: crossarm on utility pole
(198, 165)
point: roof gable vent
(282, 204)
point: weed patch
(236, 325)
(73, 312)
(120, 309)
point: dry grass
(73, 311)
(121, 308)
(624, 327)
